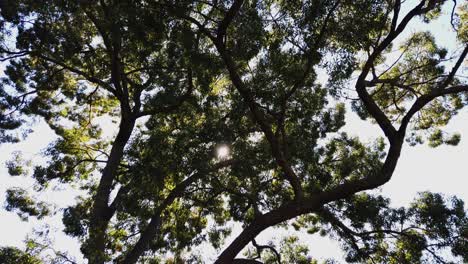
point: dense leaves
(14, 255)
(142, 95)
(371, 230)
(18, 200)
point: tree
(200, 75)
(12, 255)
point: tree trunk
(314, 203)
(101, 212)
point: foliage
(18, 200)
(371, 231)
(17, 165)
(176, 80)
(14, 255)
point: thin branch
(260, 248)
(392, 82)
(172, 107)
(439, 259)
(317, 43)
(452, 15)
(425, 99)
(90, 78)
(455, 68)
(3, 59)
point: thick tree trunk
(313, 204)
(101, 212)
(150, 232)
(154, 226)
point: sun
(222, 152)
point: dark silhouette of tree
(185, 78)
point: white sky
(420, 168)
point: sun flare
(222, 152)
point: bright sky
(420, 168)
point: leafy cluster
(14, 255)
(371, 231)
(17, 199)
(142, 94)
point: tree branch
(170, 108)
(455, 68)
(313, 203)
(375, 111)
(224, 24)
(258, 116)
(260, 248)
(153, 227)
(427, 98)
(72, 69)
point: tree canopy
(183, 79)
